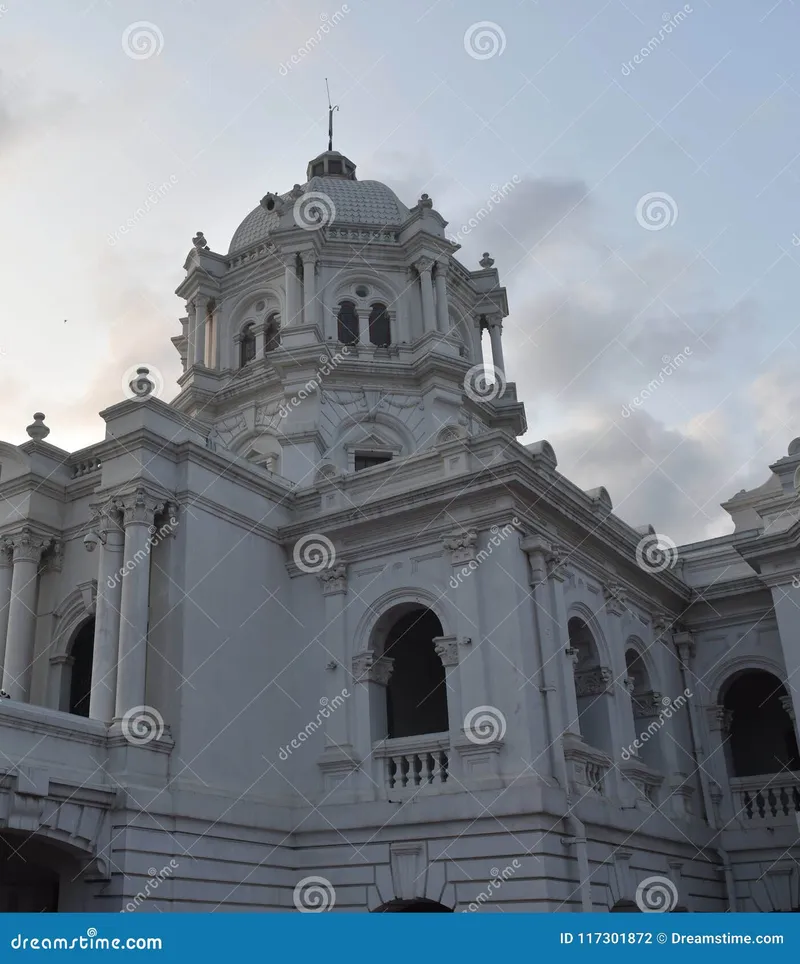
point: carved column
(292, 291)
(442, 313)
(102, 700)
(27, 550)
(334, 589)
(191, 333)
(460, 547)
(139, 511)
(541, 576)
(495, 325)
(309, 287)
(199, 341)
(424, 266)
(447, 651)
(6, 570)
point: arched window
(379, 333)
(646, 705)
(416, 695)
(762, 736)
(80, 686)
(247, 345)
(592, 688)
(348, 323)
(272, 336)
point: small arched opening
(762, 734)
(646, 705)
(247, 344)
(347, 323)
(81, 654)
(379, 327)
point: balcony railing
(767, 798)
(414, 764)
(587, 766)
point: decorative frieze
(594, 682)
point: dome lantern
(331, 164)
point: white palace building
(321, 633)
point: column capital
(461, 546)
(424, 265)
(538, 550)
(494, 320)
(446, 649)
(367, 668)
(334, 580)
(309, 257)
(442, 267)
(684, 643)
(200, 301)
(6, 549)
(140, 507)
(27, 545)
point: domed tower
(339, 331)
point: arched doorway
(80, 684)
(420, 906)
(29, 880)
(416, 694)
(762, 735)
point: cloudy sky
(654, 212)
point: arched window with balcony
(379, 325)
(247, 344)
(593, 687)
(347, 321)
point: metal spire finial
(331, 109)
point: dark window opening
(379, 333)
(318, 170)
(416, 697)
(272, 338)
(81, 681)
(762, 737)
(368, 461)
(348, 323)
(247, 346)
(334, 166)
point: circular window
(362, 291)
(260, 306)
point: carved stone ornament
(423, 265)
(788, 705)
(573, 655)
(367, 668)
(647, 705)
(616, 598)
(27, 546)
(593, 682)
(447, 650)
(140, 507)
(334, 580)
(720, 719)
(461, 546)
